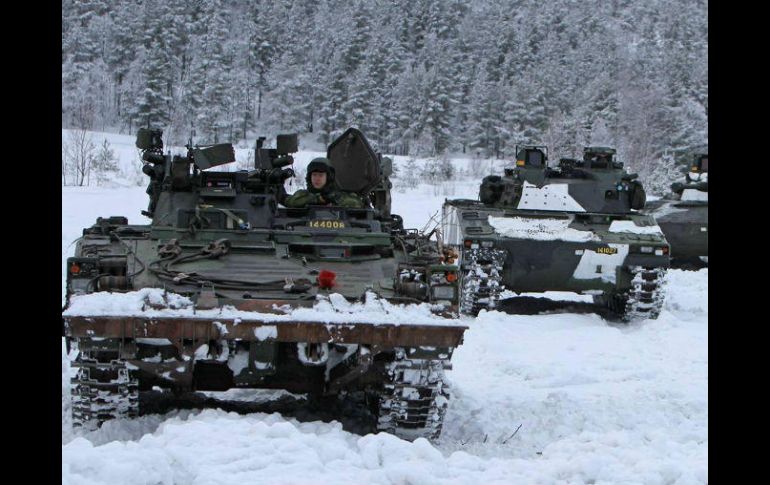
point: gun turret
(167, 171)
(278, 157)
(269, 173)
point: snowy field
(596, 403)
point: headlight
(443, 292)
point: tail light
(451, 277)
(75, 269)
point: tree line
(419, 77)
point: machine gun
(169, 172)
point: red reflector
(451, 277)
(468, 243)
(74, 269)
(326, 278)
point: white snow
(238, 362)
(551, 197)
(667, 208)
(599, 265)
(266, 332)
(694, 195)
(545, 229)
(551, 295)
(202, 352)
(597, 403)
(633, 228)
(332, 309)
(153, 341)
(323, 354)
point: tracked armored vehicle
(227, 289)
(684, 217)
(574, 227)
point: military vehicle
(574, 227)
(683, 216)
(221, 255)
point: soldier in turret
(322, 189)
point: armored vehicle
(227, 289)
(574, 227)
(684, 217)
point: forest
(426, 78)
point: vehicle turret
(595, 184)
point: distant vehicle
(684, 217)
(574, 227)
(221, 240)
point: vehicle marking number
(327, 224)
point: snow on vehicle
(226, 289)
(575, 227)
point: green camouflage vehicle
(222, 271)
(573, 228)
(684, 217)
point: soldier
(322, 189)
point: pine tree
(105, 164)
(213, 116)
(153, 109)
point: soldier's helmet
(320, 164)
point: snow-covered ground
(596, 403)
